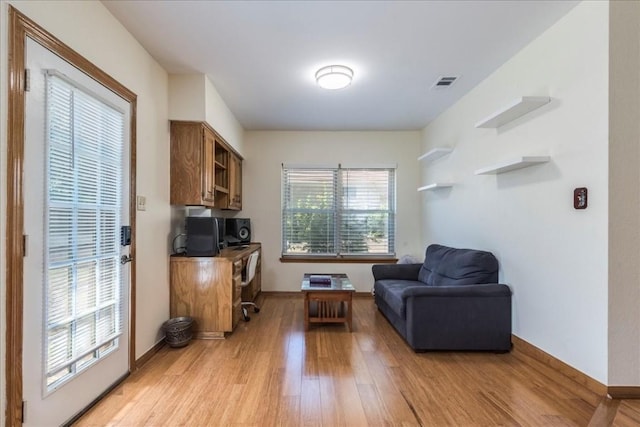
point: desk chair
(252, 263)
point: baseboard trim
(624, 392)
(299, 294)
(142, 360)
(282, 294)
(522, 347)
(363, 295)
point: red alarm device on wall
(580, 198)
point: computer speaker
(238, 231)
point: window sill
(340, 260)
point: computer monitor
(202, 236)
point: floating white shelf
(519, 163)
(436, 185)
(517, 108)
(435, 154)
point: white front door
(76, 286)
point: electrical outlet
(141, 203)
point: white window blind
(367, 214)
(85, 139)
(338, 211)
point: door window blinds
(338, 212)
(85, 138)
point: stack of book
(320, 280)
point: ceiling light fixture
(334, 77)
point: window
(338, 212)
(81, 260)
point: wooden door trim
(21, 27)
(15, 218)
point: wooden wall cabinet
(235, 182)
(205, 170)
(221, 175)
(209, 290)
(192, 164)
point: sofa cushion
(444, 266)
(391, 291)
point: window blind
(367, 214)
(82, 270)
(309, 214)
(338, 211)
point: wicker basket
(178, 331)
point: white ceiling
(262, 55)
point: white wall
(553, 257)
(94, 33)
(194, 97)
(187, 97)
(624, 197)
(264, 154)
(222, 119)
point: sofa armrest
(395, 271)
(466, 317)
(485, 290)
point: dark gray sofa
(450, 302)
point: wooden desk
(209, 289)
(328, 304)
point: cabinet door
(235, 182)
(237, 290)
(187, 150)
(204, 288)
(192, 164)
(221, 175)
(208, 168)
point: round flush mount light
(334, 77)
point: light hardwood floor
(269, 372)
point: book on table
(320, 280)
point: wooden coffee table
(330, 303)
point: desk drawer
(237, 267)
(235, 315)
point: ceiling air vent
(444, 82)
